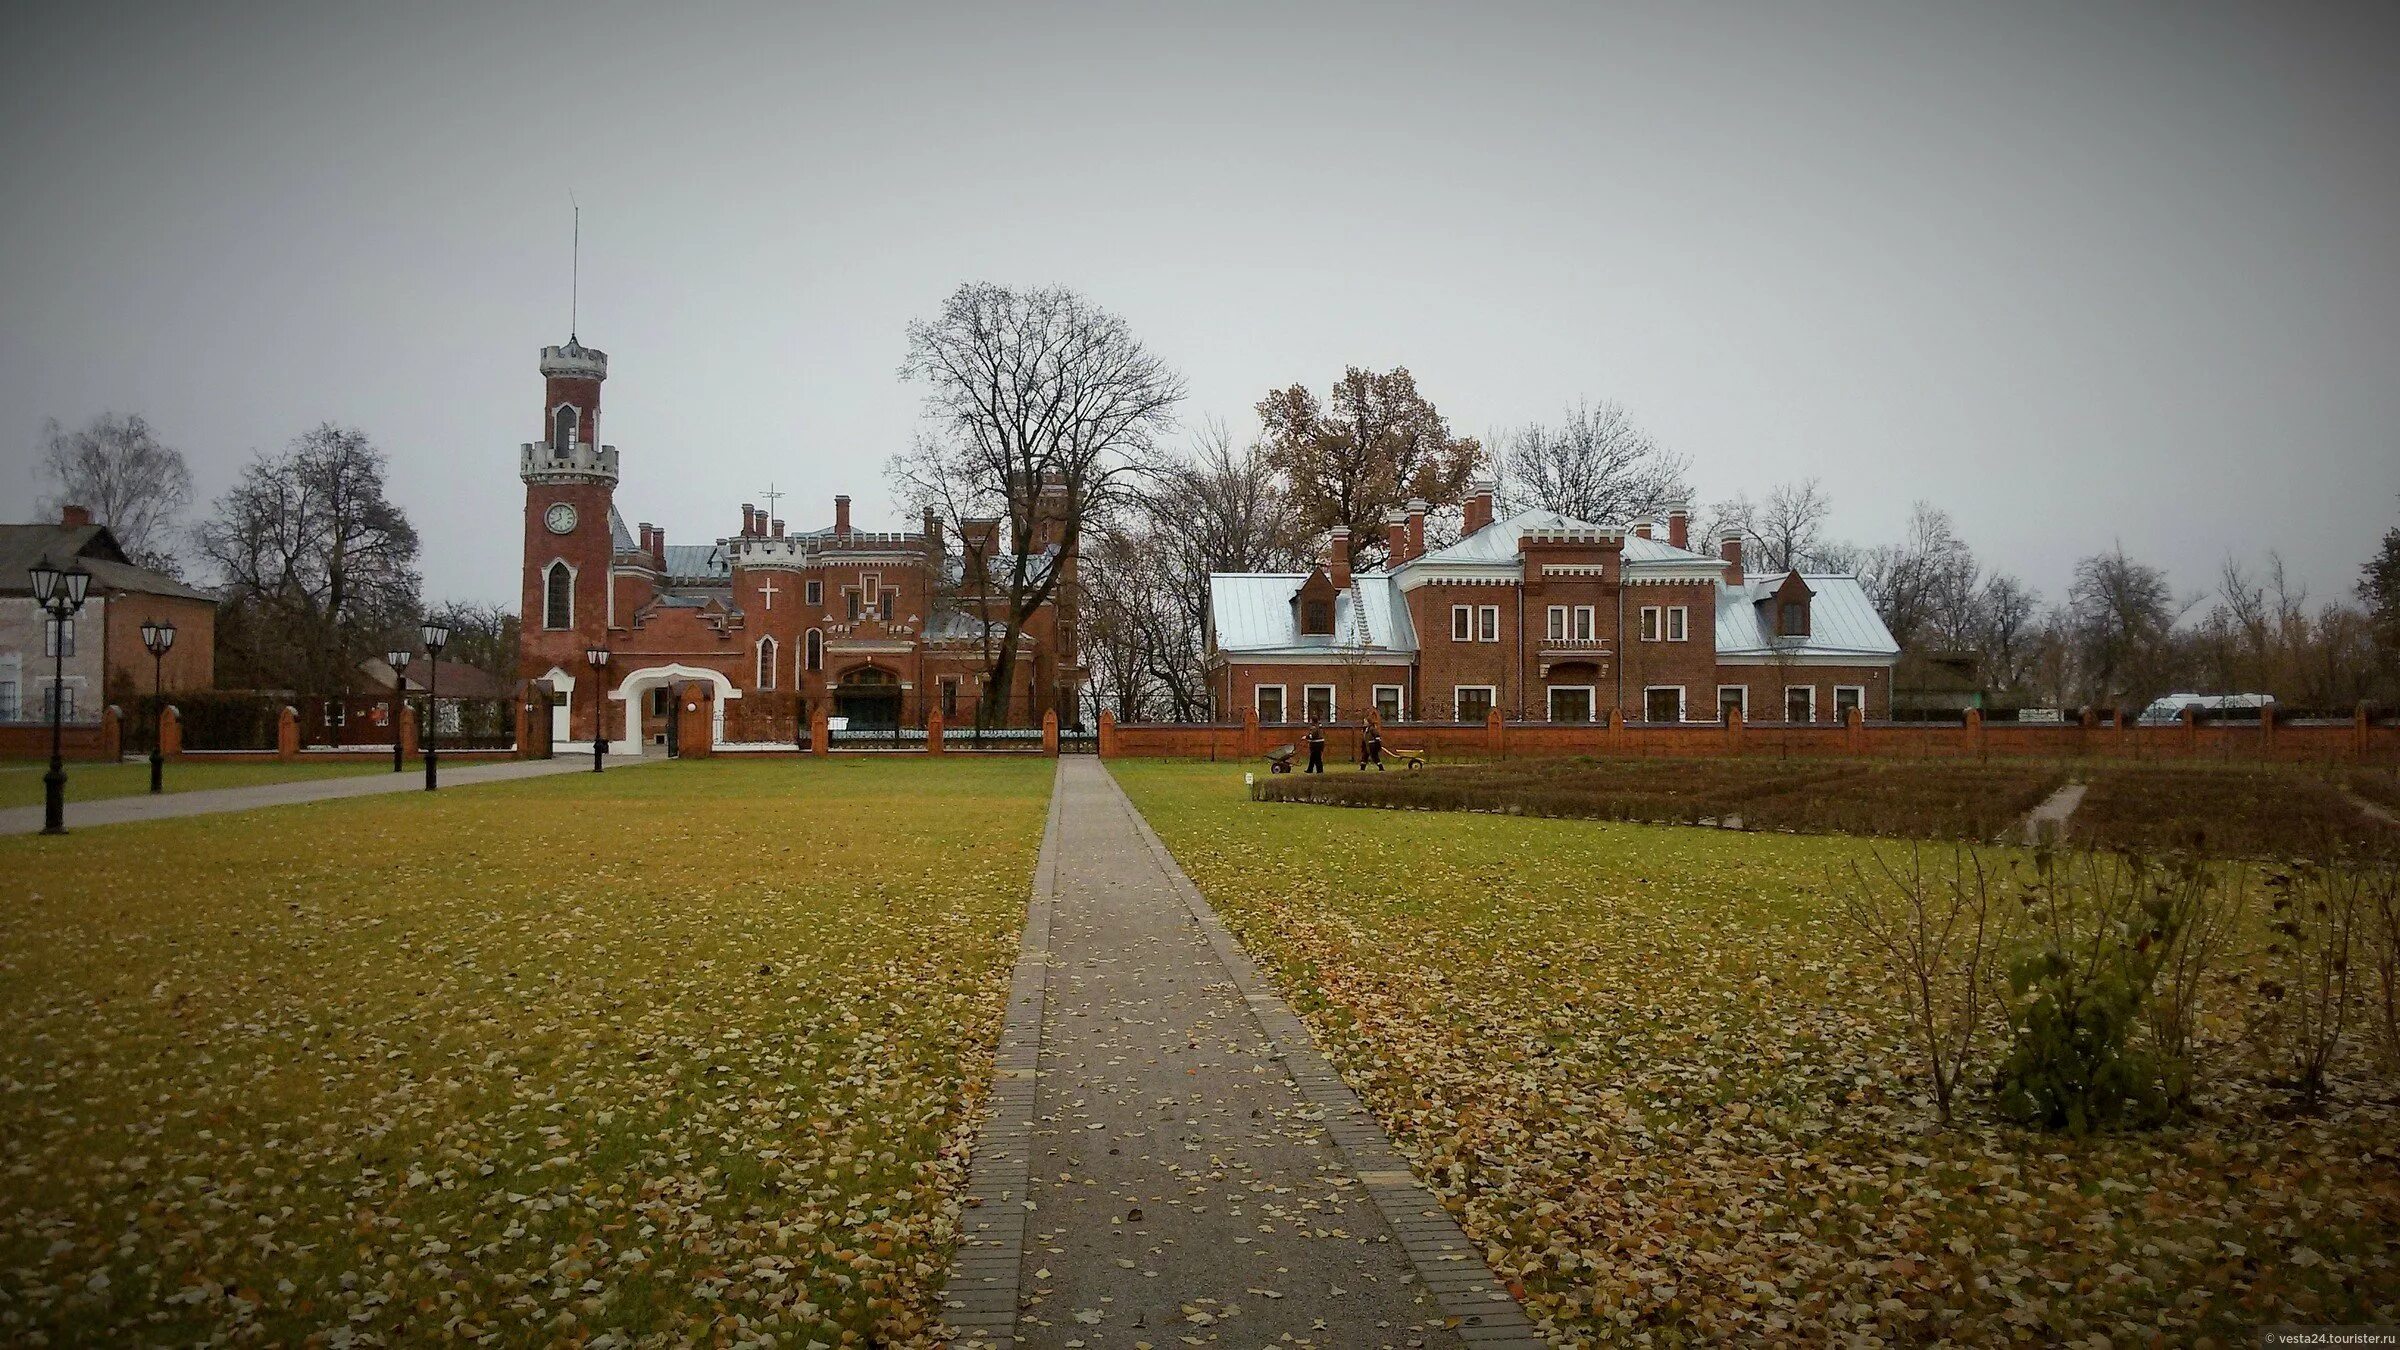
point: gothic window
(558, 597)
(562, 429)
(814, 650)
(766, 663)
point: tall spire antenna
(575, 270)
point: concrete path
(2049, 820)
(143, 806)
(1169, 1160)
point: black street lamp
(397, 657)
(598, 656)
(158, 637)
(437, 636)
(58, 594)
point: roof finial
(575, 269)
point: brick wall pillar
(2266, 731)
(287, 733)
(1495, 734)
(170, 732)
(1975, 740)
(112, 733)
(1108, 734)
(933, 733)
(2191, 731)
(408, 730)
(1734, 722)
(820, 734)
(1250, 742)
(1050, 731)
(1616, 731)
(2360, 724)
(1854, 730)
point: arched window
(558, 597)
(813, 651)
(766, 663)
(562, 429)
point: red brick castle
(879, 627)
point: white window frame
(58, 633)
(1810, 690)
(1332, 711)
(572, 570)
(1258, 704)
(1650, 623)
(814, 592)
(571, 417)
(1683, 710)
(812, 649)
(1591, 701)
(12, 696)
(1587, 624)
(870, 596)
(1399, 693)
(1487, 623)
(1679, 623)
(63, 695)
(769, 653)
(1558, 623)
(1462, 623)
(1839, 690)
(1458, 694)
(1743, 702)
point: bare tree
(1924, 587)
(1594, 465)
(1044, 411)
(116, 468)
(2003, 625)
(1784, 533)
(316, 562)
(2123, 615)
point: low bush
(2316, 915)
(1932, 933)
(2231, 812)
(1923, 800)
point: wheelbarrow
(1279, 759)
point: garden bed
(2223, 811)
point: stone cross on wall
(767, 589)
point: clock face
(560, 518)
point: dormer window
(1316, 618)
(1792, 619)
(563, 424)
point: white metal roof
(1497, 542)
(1252, 613)
(1841, 620)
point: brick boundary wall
(2363, 738)
(98, 740)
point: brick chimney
(1479, 504)
(776, 528)
(749, 519)
(841, 515)
(74, 517)
(1395, 537)
(1416, 527)
(1337, 558)
(933, 531)
(1729, 547)
(1679, 523)
(1643, 527)
(658, 548)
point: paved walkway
(2049, 820)
(1169, 1159)
(143, 806)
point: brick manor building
(880, 627)
(1545, 619)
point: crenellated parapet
(583, 462)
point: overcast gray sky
(2079, 274)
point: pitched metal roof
(697, 562)
(21, 546)
(1252, 613)
(1497, 542)
(1841, 620)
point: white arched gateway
(630, 690)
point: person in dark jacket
(1316, 748)
(1370, 750)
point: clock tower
(570, 485)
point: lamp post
(598, 656)
(437, 636)
(58, 594)
(158, 637)
(397, 658)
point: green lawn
(683, 1053)
(1654, 1078)
(21, 780)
